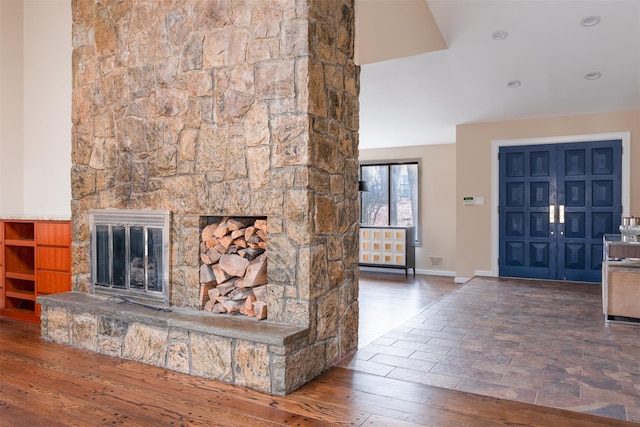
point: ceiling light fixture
(590, 21)
(499, 35)
(593, 76)
(514, 83)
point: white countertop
(34, 218)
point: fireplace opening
(233, 265)
(130, 254)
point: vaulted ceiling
(428, 66)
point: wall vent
(435, 261)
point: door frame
(495, 179)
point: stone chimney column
(228, 107)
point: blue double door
(556, 203)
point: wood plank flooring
(48, 384)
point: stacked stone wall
(227, 107)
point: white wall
(47, 107)
(437, 202)
(35, 118)
(11, 107)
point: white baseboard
(385, 270)
(436, 272)
(425, 272)
(480, 273)
(402, 271)
(484, 273)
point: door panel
(589, 177)
(556, 203)
(527, 189)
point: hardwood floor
(48, 384)
(389, 299)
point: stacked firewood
(233, 275)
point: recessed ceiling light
(590, 21)
(514, 83)
(499, 35)
(593, 76)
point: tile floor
(531, 341)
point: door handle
(552, 214)
(561, 214)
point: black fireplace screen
(129, 255)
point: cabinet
(621, 280)
(390, 247)
(36, 260)
(1, 265)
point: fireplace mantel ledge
(239, 327)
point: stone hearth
(220, 108)
(260, 355)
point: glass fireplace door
(130, 259)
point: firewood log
(254, 239)
(256, 273)
(214, 293)
(251, 298)
(221, 230)
(239, 294)
(260, 308)
(248, 232)
(262, 234)
(204, 292)
(209, 243)
(233, 265)
(240, 242)
(207, 232)
(213, 255)
(205, 259)
(206, 274)
(260, 293)
(252, 253)
(231, 306)
(219, 273)
(209, 305)
(225, 241)
(218, 309)
(237, 233)
(225, 288)
(247, 311)
(238, 223)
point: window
(393, 195)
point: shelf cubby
(19, 230)
(19, 259)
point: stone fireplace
(217, 108)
